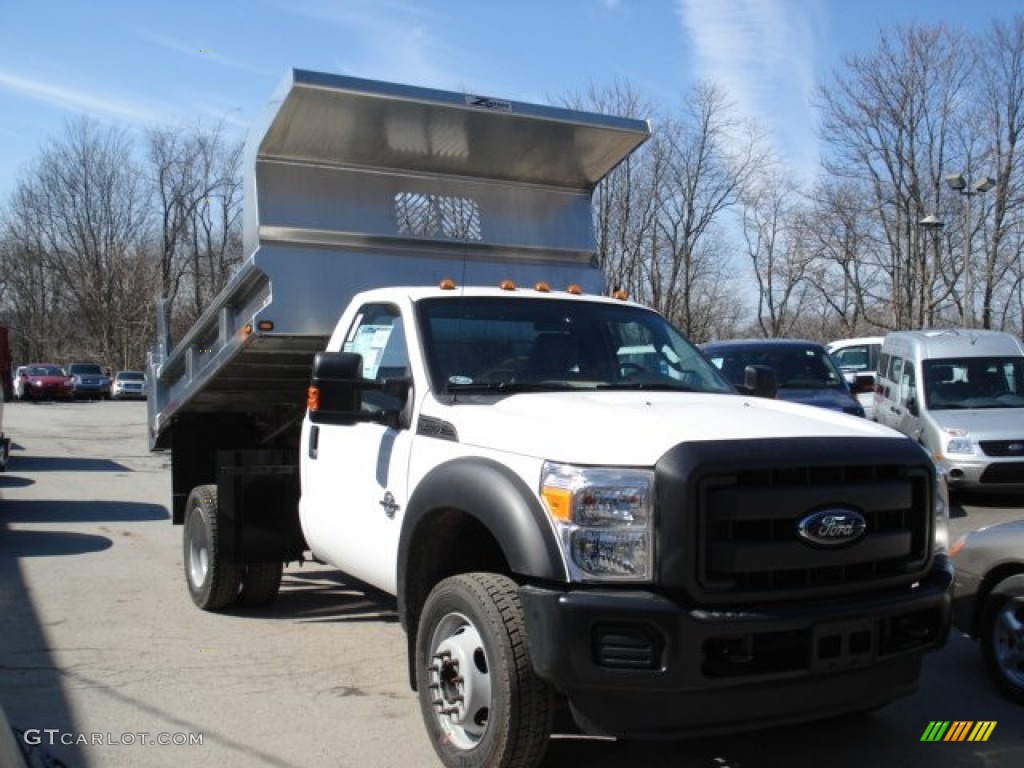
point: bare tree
(888, 120)
(80, 218)
(776, 249)
(197, 186)
(626, 201)
(996, 271)
(707, 157)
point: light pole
(933, 224)
(958, 184)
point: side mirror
(760, 381)
(335, 388)
(338, 393)
(912, 406)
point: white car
(128, 385)
(858, 360)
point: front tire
(481, 701)
(213, 582)
(1002, 644)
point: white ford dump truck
(415, 377)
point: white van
(960, 393)
(858, 360)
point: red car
(42, 382)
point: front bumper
(640, 665)
(983, 473)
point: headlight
(960, 441)
(941, 513)
(604, 518)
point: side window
(379, 336)
(854, 358)
(882, 376)
(908, 386)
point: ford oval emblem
(834, 527)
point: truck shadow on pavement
(325, 596)
(31, 686)
(62, 511)
(66, 464)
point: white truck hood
(636, 428)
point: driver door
(354, 476)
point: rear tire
(1002, 644)
(260, 584)
(481, 701)
(213, 582)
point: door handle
(314, 440)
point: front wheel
(1002, 644)
(213, 582)
(481, 701)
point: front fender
(1011, 587)
(495, 497)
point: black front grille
(1004, 472)
(750, 522)
(731, 516)
(1003, 447)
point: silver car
(988, 600)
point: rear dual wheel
(214, 582)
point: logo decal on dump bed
(834, 527)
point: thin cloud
(201, 53)
(761, 52)
(78, 100)
(389, 40)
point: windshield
(86, 368)
(974, 382)
(498, 344)
(130, 376)
(45, 370)
(796, 366)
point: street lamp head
(984, 184)
(931, 221)
(956, 182)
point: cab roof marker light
(575, 289)
(621, 295)
(447, 284)
(507, 285)
(542, 287)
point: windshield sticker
(370, 341)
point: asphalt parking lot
(104, 661)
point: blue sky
(139, 63)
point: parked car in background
(960, 393)
(42, 381)
(89, 380)
(988, 600)
(858, 360)
(128, 385)
(804, 372)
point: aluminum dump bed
(354, 184)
